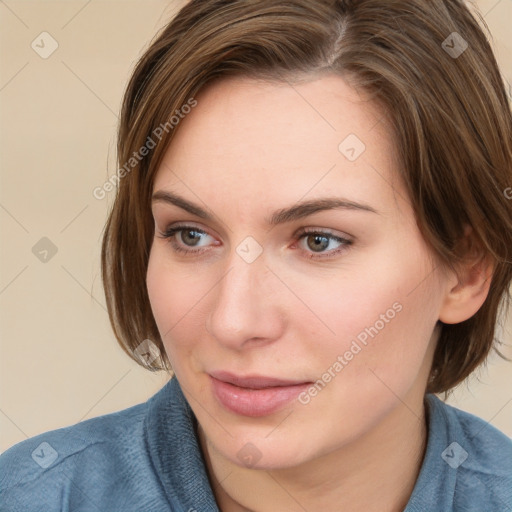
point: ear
(467, 289)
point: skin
(248, 149)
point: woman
(311, 230)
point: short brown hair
(449, 111)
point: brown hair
(450, 114)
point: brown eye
(321, 244)
(190, 236)
(183, 237)
(317, 242)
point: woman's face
(341, 301)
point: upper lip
(253, 381)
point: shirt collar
(175, 452)
(435, 485)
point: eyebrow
(297, 211)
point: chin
(266, 454)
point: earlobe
(467, 290)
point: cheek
(380, 315)
(382, 357)
(161, 292)
(174, 296)
(178, 298)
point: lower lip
(255, 402)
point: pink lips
(254, 395)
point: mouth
(254, 395)
(255, 381)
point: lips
(254, 395)
(254, 381)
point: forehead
(282, 140)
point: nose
(245, 306)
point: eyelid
(184, 226)
(326, 231)
(176, 226)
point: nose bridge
(241, 309)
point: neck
(376, 472)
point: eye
(185, 238)
(318, 242)
(315, 244)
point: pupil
(190, 238)
(320, 242)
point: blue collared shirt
(147, 458)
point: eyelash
(170, 233)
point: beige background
(60, 362)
